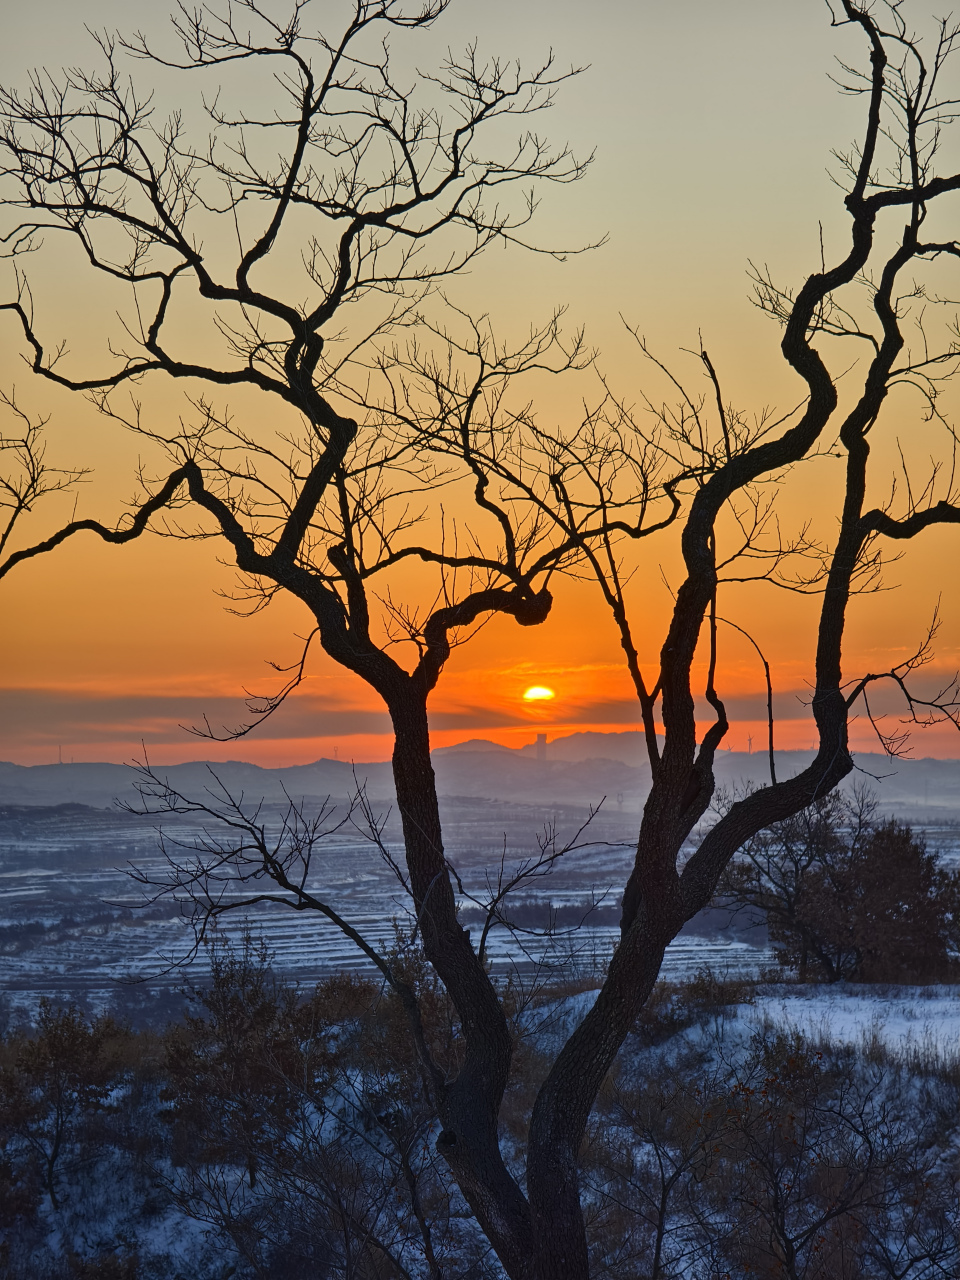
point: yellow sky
(713, 126)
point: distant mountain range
(579, 768)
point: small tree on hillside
(845, 896)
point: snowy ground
(99, 1212)
(899, 1018)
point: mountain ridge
(578, 768)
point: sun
(538, 693)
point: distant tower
(541, 746)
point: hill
(577, 768)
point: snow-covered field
(68, 929)
(71, 921)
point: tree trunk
(567, 1097)
(468, 1106)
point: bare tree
(292, 1144)
(727, 465)
(787, 1157)
(415, 400)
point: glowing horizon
(105, 647)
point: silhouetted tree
(394, 197)
(725, 469)
(325, 514)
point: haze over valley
(73, 923)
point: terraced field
(72, 921)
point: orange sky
(713, 125)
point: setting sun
(538, 693)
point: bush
(779, 1158)
(53, 1081)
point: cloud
(56, 715)
(49, 717)
(608, 711)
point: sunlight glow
(538, 693)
